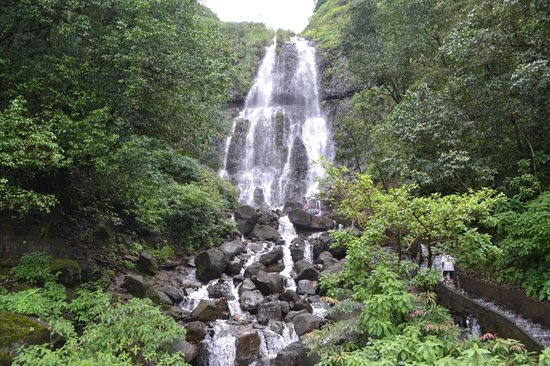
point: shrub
(34, 268)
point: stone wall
(508, 297)
(490, 320)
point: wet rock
(253, 269)
(297, 248)
(247, 285)
(268, 283)
(285, 307)
(196, 331)
(146, 263)
(246, 218)
(290, 296)
(173, 293)
(331, 265)
(176, 313)
(307, 287)
(269, 218)
(68, 270)
(323, 243)
(304, 220)
(220, 289)
(234, 267)
(269, 311)
(302, 304)
(296, 354)
(231, 249)
(293, 313)
(305, 323)
(206, 311)
(247, 348)
(210, 264)
(324, 255)
(298, 170)
(289, 206)
(264, 233)
(136, 285)
(258, 197)
(189, 350)
(305, 271)
(251, 299)
(275, 267)
(17, 330)
(158, 297)
(272, 257)
(236, 151)
(223, 308)
(338, 315)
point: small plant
(34, 268)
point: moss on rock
(17, 330)
(69, 271)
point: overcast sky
(285, 14)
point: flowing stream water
(276, 136)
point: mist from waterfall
(280, 130)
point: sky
(285, 14)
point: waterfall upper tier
(281, 130)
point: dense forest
(113, 115)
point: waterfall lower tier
(280, 131)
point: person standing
(448, 267)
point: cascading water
(275, 138)
(280, 131)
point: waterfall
(280, 130)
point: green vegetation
(399, 322)
(104, 108)
(455, 97)
(34, 269)
(102, 330)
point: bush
(34, 268)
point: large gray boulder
(136, 285)
(304, 220)
(297, 249)
(220, 289)
(231, 249)
(269, 311)
(173, 293)
(307, 287)
(305, 271)
(269, 218)
(206, 311)
(246, 218)
(253, 269)
(196, 331)
(210, 264)
(272, 257)
(305, 323)
(190, 351)
(251, 299)
(268, 283)
(247, 285)
(264, 233)
(247, 348)
(296, 354)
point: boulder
(305, 323)
(68, 270)
(247, 285)
(246, 218)
(220, 289)
(331, 265)
(210, 264)
(272, 257)
(190, 351)
(307, 287)
(135, 285)
(323, 256)
(247, 348)
(18, 330)
(269, 218)
(296, 354)
(231, 249)
(233, 267)
(253, 269)
(223, 308)
(206, 311)
(305, 271)
(289, 206)
(196, 331)
(173, 293)
(304, 220)
(176, 313)
(275, 267)
(297, 248)
(147, 264)
(268, 283)
(269, 311)
(292, 314)
(290, 296)
(264, 233)
(302, 304)
(251, 299)
(323, 243)
(158, 297)
(258, 197)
